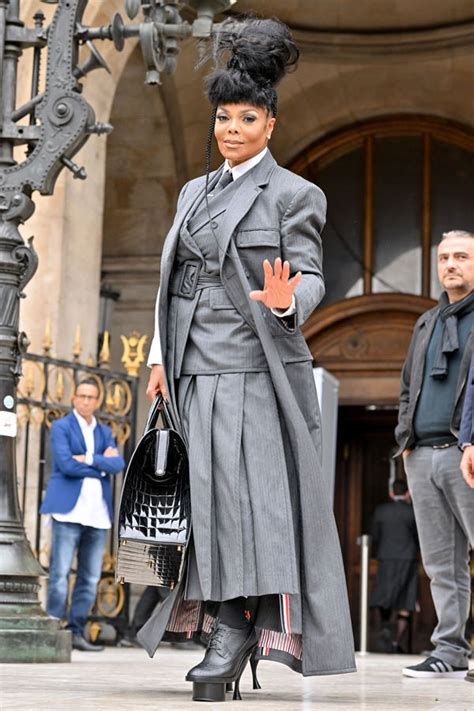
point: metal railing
(44, 395)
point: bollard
(364, 543)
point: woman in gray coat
(240, 273)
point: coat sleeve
(465, 431)
(300, 228)
(401, 429)
(110, 465)
(62, 453)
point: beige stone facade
(345, 76)
(360, 61)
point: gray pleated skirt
(243, 530)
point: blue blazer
(466, 430)
(65, 483)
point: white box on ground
(327, 387)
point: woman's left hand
(278, 289)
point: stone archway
(363, 341)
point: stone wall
(110, 228)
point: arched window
(393, 187)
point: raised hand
(278, 288)
(467, 465)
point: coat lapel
(201, 217)
(171, 241)
(98, 439)
(241, 205)
(77, 430)
(243, 200)
(190, 198)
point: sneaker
(433, 668)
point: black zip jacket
(412, 380)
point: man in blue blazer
(466, 432)
(79, 498)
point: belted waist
(190, 277)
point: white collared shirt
(239, 170)
(155, 357)
(90, 508)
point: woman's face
(242, 131)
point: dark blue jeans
(89, 544)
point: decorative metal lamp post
(60, 122)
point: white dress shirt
(155, 356)
(90, 508)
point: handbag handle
(160, 405)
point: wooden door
(364, 467)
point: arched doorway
(393, 185)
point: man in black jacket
(431, 398)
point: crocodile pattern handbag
(155, 507)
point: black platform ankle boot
(226, 657)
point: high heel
(210, 691)
(226, 657)
(237, 696)
(254, 660)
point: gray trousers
(444, 512)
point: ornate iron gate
(44, 395)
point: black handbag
(154, 521)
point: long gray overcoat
(275, 213)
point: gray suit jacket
(274, 213)
(277, 213)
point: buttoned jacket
(275, 213)
(65, 482)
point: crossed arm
(74, 465)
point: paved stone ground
(126, 679)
